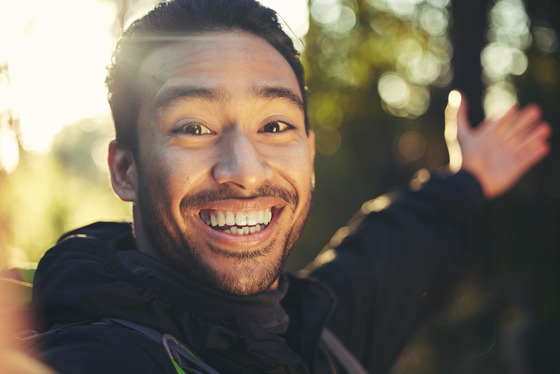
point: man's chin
(246, 274)
(246, 286)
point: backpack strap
(344, 357)
(184, 359)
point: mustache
(224, 192)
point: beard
(250, 273)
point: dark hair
(166, 23)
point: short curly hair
(175, 19)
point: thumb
(463, 124)
(463, 114)
(456, 116)
(456, 123)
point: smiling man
(214, 151)
(222, 179)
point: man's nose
(240, 162)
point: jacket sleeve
(397, 264)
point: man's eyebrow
(265, 92)
(177, 93)
(268, 92)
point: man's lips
(237, 222)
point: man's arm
(399, 263)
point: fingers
(521, 123)
(533, 149)
(463, 116)
(527, 135)
(535, 142)
(530, 156)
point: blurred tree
(468, 37)
(372, 65)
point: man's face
(225, 165)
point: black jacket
(376, 287)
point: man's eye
(276, 126)
(196, 129)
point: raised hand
(497, 152)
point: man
(214, 150)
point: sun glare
(55, 55)
(57, 67)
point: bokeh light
(499, 98)
(423, 68)
(325, 12)
(327, 140)
(403, 7)
(544, 39)
(394, 90)
(346, 20)
(504, 56)
(421, 49)
(326, 108)
(411, 146)
(434, 20)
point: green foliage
(48, 195)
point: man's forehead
(176, 52)
(200, 66)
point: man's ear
(124, 175)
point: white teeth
(252, 218)
(230, 219)
(267, 216)
(241, 223)
(221, 218)
(240, 219)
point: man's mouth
(237, 223)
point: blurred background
(379, 72)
